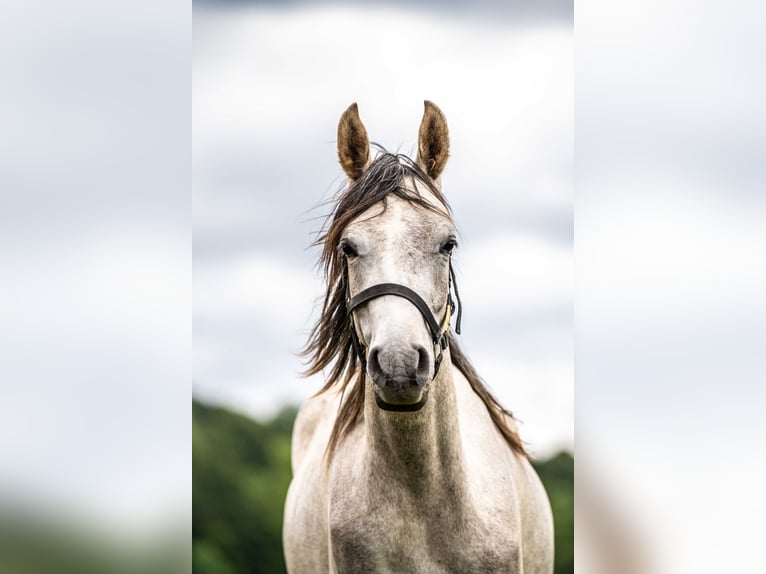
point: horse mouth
(401, 395)
(401, 407)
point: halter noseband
(438, 330)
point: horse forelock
(330, 340)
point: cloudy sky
(269, 85)
(95, 297)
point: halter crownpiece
(438, 330)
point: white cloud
(115, 282)
(256, 286)
(491, 77)
(220, 210)
(515, 273)
(669, 250)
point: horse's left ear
(433, 141)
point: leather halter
(439, 330)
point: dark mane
(330, 343)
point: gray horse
(403, 462)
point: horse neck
(421, 450)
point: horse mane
(330, 343)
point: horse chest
(393, 533)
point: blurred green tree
(241, 471)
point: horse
(403, 462)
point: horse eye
(448, 246)
(347, 248)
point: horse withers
(403, 462)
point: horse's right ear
(433, 141)
(353, 145)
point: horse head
(395, 236)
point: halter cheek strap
(438, 330)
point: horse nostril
(373, 364)
(424, 365)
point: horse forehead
(402, 222)
(406, 223)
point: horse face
(399, 242)
(396, 241)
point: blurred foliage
(241, 470)
(41, 541)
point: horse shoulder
(313, 421)
(536, 516)
(536, 519)
(510, 476)
(305, 516)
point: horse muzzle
(400, 376)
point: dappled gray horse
(403, 462)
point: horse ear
(433, 141)
(353, 145)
